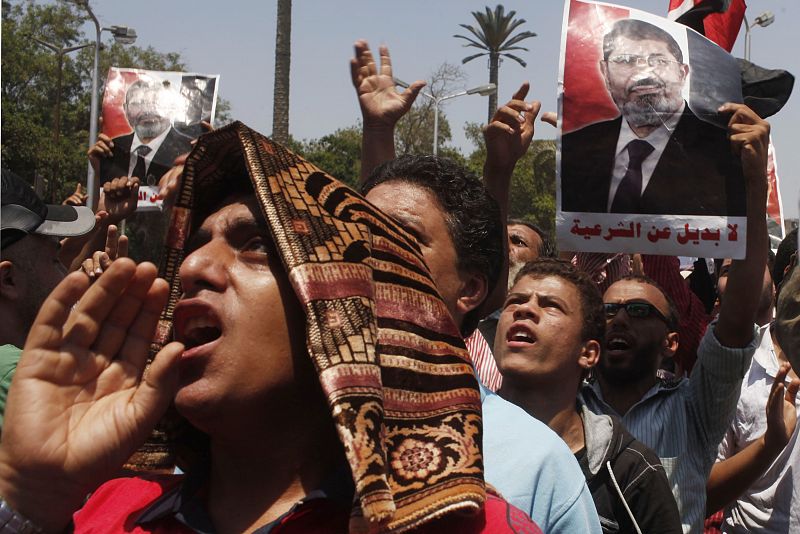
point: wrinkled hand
(509, 134)
(119, 198)
(749, 136)
(781, 411)
(101, 149)
(78, 198)
(101, 260)
(81, 402)
(381, 105)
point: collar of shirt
(765, 353)
(658, 138)
(154, 145)
(186, 502)
(663, 384)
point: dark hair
(547, 248)
(472, 215)
(785, 250)
(673, 317)
(638, 30)
(594, 319)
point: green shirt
(9, 357)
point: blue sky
(237, 40)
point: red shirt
(168, 504)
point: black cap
(23, 213)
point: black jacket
(622, 471)
(695, 175)
(174, 144)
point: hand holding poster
(152, 118)
(645, 164)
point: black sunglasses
(638, 310)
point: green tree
(533, 185)
(338, 154)
(29, 81)
(493, 36)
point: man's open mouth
(618, 343)
(519, 333)
(196, 324)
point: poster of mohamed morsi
(152, 117)
(644, 161)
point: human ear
(670, 345)
(590, 354)
(9, 284)
(474, 290)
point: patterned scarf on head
(391, 363)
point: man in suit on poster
(151, 148)
(657, 157)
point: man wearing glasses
(662, 158)
(683, 419)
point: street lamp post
(764, 19)
(483, 90)
(60, 53)
(122, 35)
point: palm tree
(493, 35)
(283, 55)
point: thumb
(159, 383)
(410, 94)
(550, 118)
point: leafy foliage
(532, 196)
(29, 92)
(493, 37)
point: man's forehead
(545, 283)
(626, 290)
(526, 231)
(628, 45)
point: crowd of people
(310, 358)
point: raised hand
(509, 134)
(171, 180)
(781, 411)
(381, 105)
(78, 198)
(81, 402)
(101, 260)
(103, 148)
(749, 135)
(119, 198)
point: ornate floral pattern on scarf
(391, 362)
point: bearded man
(662, 158)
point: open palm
(80, 402)
(381, 104)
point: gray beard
(649, 111)
(150, 131)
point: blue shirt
(533, 469)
